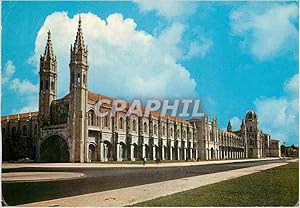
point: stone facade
(68, 129)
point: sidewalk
(136, 194)
(109, 165)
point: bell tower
(48, 80)
(78, 95)
(252, 134)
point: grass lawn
(274, 187)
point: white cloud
(167, 8)
(199, 48)
(292, 85)
(123, 61)
(279, 116)
(267, 31)
(24, 89)
(235, 123)
(9, 70)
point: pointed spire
(48, 49)
(79, 42)
(229, 127)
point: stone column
(191, 153)
(163, 152)
(105, 153)
(178, 153)
(196, 154)
(118, 152)
(171, 153)
(153, 152)
(132, 152)
(102, 152)
(184, 153)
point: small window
(121, 123)
(164, 131)
(78, 78)
(145, 128)
(171, 132)
(91, 118)
(134, 125)
(41, 84)
(106, 121)
(52, 85)
(155, 129)
(84, 79)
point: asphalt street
(102, 179)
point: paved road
(101, 179)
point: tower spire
(79, 42)
(229, 127)
(48, 49)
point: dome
(251, 115)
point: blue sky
(234, 56)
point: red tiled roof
(19, 116)
(95, 97)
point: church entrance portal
(54, 149)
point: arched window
(24, 130)
(171, 132)
(134, 125)
(91, 118)
(145, 128)
(178, 133)
(155, 129)
(84, 79)
(52, 85)
(78, 78)
(121, 123)
(184, 134)
(106, 121)
(164, 131)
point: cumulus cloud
(235, 123)
(198, 48)
(123, 61)
(8, 71)
(24, 88)
(268, 31)
(279, 116)
(167, 8)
